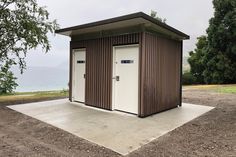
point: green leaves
(23, 26)
(215, 61)
(196, 60)
(7, 79)
(154, 15)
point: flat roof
(134, 19)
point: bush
(7, 79)
(188, 79)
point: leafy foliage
(188, 79)
(154, 15)
(196, 60)
(7, 79)
(214, 59)
(23, 26)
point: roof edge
(122, 18)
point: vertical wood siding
(98, 83)
(161, 66)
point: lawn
(25, 97)
(230, 89)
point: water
(41, 79)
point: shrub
(188, 79)
(7, 80)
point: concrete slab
(120, 132)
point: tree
(196, 59)
(154, 15)
(188, 78)
(221, 57)
(7, 79)
(217, 58)
(23, 26)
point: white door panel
(125, 86)
(78, 75)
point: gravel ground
(212, 134)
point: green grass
(230, 89)
(21, 97)
(227, 89)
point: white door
(78, 87)
(125, 78)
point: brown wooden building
(131, 63)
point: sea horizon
(41, 79)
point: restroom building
(131, 63)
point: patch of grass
(231, 88)
(21, 97)
(200, 87)
(228, 89)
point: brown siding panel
(98, 84)
(70, 73)
(161, 65)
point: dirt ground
(212, 134)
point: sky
(189, 16)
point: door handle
(84, 75)
(117, 78)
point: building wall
(160, 74)
(98, 83)
(159, 71)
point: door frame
(73, 73)
(114, 72)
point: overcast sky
(188, 16)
